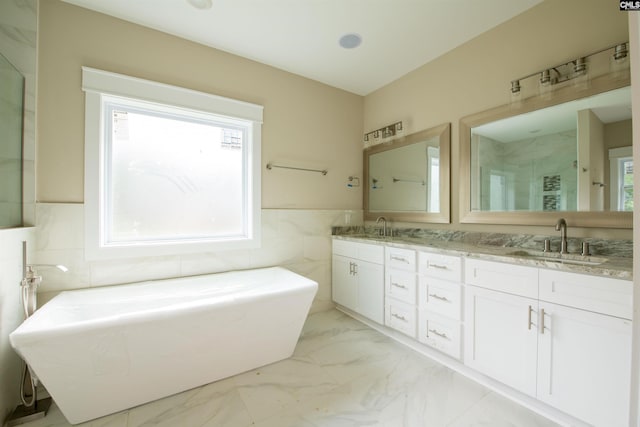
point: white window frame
(615, 176)
(98, 86)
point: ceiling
(301, 36)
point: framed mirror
(408, 179)
(566, 155)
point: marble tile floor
(342, 374)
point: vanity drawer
(439, 296)
(401, 259)
(440, 333)
(513, 279)
(401, 285)
(357, 250)
(445, 267)
(400, 316)
(599, 294)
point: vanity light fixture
(621, 52)
(573, 70)
(619, 64)
(515, 86)
(384, 132)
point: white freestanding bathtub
(102, 350)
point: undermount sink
(560, 259)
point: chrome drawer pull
(441, 267)
(440, 334)
(398, 258)
(397, 285)
(439, 297)
(397, 316)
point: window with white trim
(168, 170)
(621, 176)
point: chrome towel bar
(271, 166)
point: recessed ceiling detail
(350, 41)
(300, 36)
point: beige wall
(618, 134)
(305, 123)
(476, 76)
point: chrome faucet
(561, 226)
(383, 232)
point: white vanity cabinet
(358, 278)
(400, 290)
(440, 302)
(560, 337)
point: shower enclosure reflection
(569, 157)
(11, 124)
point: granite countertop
(608, 265)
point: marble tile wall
(11, 313)
(299, 240)
(524, 170)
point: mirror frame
(604, 219)
(443, 132)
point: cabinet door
(344, 283)
(501, 337)
(370, 290)
(584, 364)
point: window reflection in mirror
(408, 179)
(573, 156)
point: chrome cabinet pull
(397, 285)
(529, 323)
(439, 297)
(353, 268)
(542, 321)
(441, 267)
(397, 316)
(399, 258)
(440, 334)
